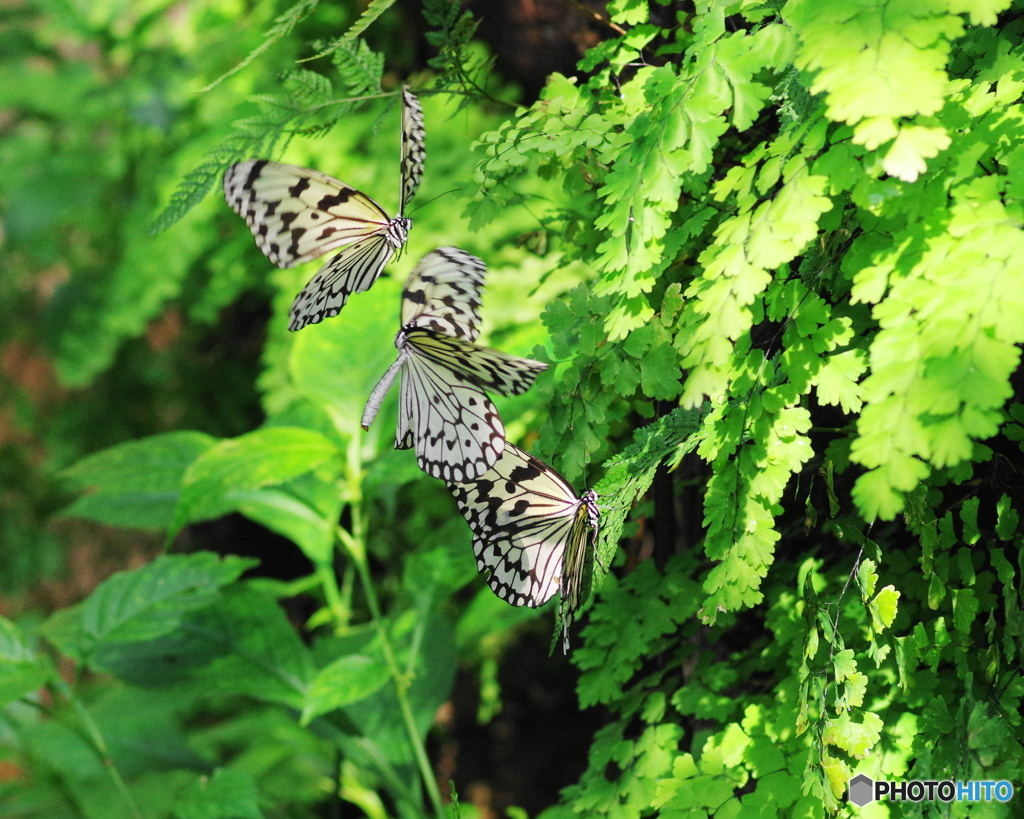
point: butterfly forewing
(297, 214)
(443, 294)
(414, 149)
(491, 369)
(523, 515)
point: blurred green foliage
(772, 283)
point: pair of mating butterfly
(531, 532)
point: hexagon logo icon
(861, 790)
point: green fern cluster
(825, 261)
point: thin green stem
(354, 541)
(91, 733)
(401, 687)
(332, 594)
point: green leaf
(227, 793)
(906, 158)
(844, 664)
(857, 739)
(347, 680)
(660, 376)
(1008, 519)
(425, 647)
(628, 12)
(281, 512)
(21, 669)
(836, 381)
(144, 604)
(363, 336)
(965, 609)
(883, 608)
(241, 644)
(143, 734)
(136, 484)
(855, 54)
(223, 475)
(867, 577)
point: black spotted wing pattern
(414, 149)
(532, 535)
(297, 215)
(444, 410)
(490, 369)
(443, 294)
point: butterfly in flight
(443, 409)
(531, 533)
(297, 214)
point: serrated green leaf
(857, 739)
(240, 644)
(146, 603)
(1007, 519)
(266, 457)
(867, 577)
(844, 664)
(906, 158)
(136, 484)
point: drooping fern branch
(283, 25)
(307, 106)
(461, 68)
(305, 92)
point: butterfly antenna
(423, 204)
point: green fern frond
(458, 63)
(372, 13)
(299, 110)
(284, 23)
(630, 473)
(359, 67)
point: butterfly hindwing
(444, 411)
(353, 270)
(453, 426)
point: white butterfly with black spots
(444, 411)
(531, 533)
(297, 214)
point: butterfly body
(444, 411)
(297, 214)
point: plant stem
(354, 542)
(94, 738)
